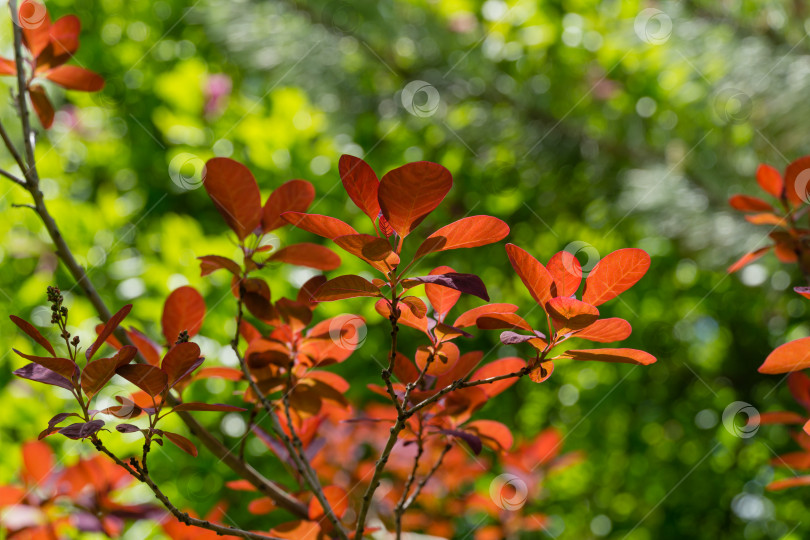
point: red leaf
(766, 218)
(614, 274)
(625, 356)
(441, 298)
(468, 232)
(417, 307)
(466, 283)
(770, 180)
(781, 417)
(804, 291)
(184, 309)
(7, 67)
(292, 196)
(463, 367)
(98, 372)
(38, 462)
(406, 315)
(788, 483)
(374, 250)
(235, 193)
(306, 254)
(468, 318)
(33, 333)
(570, 314)
(361, 184)
(349, 286)
(64, 35)
(36, 25)
(542, 372)
(534, 275)
(747, 259)
(109, 328)
(180, 361)
(745, 203)
(148, 348)
(325, 226)
(306, 291)
(502, 366)
(566, 272)
(42, 105)
(181, 442)
(799, 385)
(337, 498)
(405, 370)
(797, 180)
(411, 192)
(606, 330)
(196, 406)
(502, 321)
(211, 263)
(76, 78)
(62, 366)
(792, 356)
(148, 378)
(230, 374)
(441, 361)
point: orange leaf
(36, 25)
(502, 366)
(37, 461)
(443, 359)
(493, 434)
(211, 263)
(464, 366)
(235, 193)
(411, 192)
(780, 417)
(766, 218)
(625, 356)
(64, 35)
(309, 255)
(745, 203)
(533, 274)
(797, 180)
(468, 232)
(614, 274)
(148, 348)
(570, 314)
(606, 330)
(184, 309)
(789, 483)
(325, 226)
(406, 315)
(42, 105)
(7, 67)
(770, 180)
(747, 259)
(75, 78)
(292, 196)
(792, 356)
(337, 498)
(468, 318)
(361, 184)
(502, 321)
(567, 273)
(417, 307)
(542, 372)
(348, 286)
(441, 298)
(374, 250)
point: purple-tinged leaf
(127, 428)
(35, 372)
(513, 338)
(63, 366)
(33, 333)
(108, 329)
(81, 430)
(466, 283)
(472, 441)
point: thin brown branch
(141, 474)
(400, 508)
(13, 178)
(423, 482)
(302, 464)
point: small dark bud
(182, 338)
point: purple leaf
(80, 430)
(472, 441)
(61, 416)
(127, 428)
(272, 444)
(35, 372)
(466, 283)
(513, 338)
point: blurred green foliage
(573, 120)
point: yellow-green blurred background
(591, 125)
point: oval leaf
(182, 443)
(792, 356)
(325, 226)
(109, 328)
(309, 255)
(180, 361)
(148, 378)
(184, 310)
(614, 274)
(349, 286)
(411, 192)
(468, 232)
(235, 194)
(291, 196)
(361, 184)
(570, 314)
(534, 275)
(624, 356)
(33, 333)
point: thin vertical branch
(400, 508)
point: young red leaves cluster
(51, 46)
(791, 193)
(554, 287)
(396, 205)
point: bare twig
(400, 508)
(12, 177)
(423, 482)
(139, 473)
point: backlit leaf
(361, 184)
(625, 356)
(570, 314)
(770, 180)
(374, 250)
(210, 263)
(348, 286)
(441, 298)
(291, 196)
(33, 333)
(614, 274)
(797, 180)
(792, 356)
(181, 442)
(76, 78)
(468, 318)
(325, 226)
(309, 255)
(180, 361)
(747, 259)
(109, 328)
(235, 194)
(184, 310)
(606, 330)
(409, 193)
(468, 232)
(746, 203)
(566, 272)
(534, 275)
(500, 367)
(62, 366)
(148, 378)
(98, 372)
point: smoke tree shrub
(422, 432)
